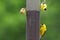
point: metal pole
(33, 19)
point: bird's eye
(42, 24)
(45, 9)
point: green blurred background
(13, 24)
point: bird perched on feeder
(42, 30)
(23, 11)
(43, 5)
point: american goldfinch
(43, 5)
(23, 11)
(42, 30)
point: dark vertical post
(33, 21)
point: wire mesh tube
(32, 27)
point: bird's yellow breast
(43, 29)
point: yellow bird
(43, 6)
(42, 30)
(23, 11)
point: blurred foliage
(13, 24)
